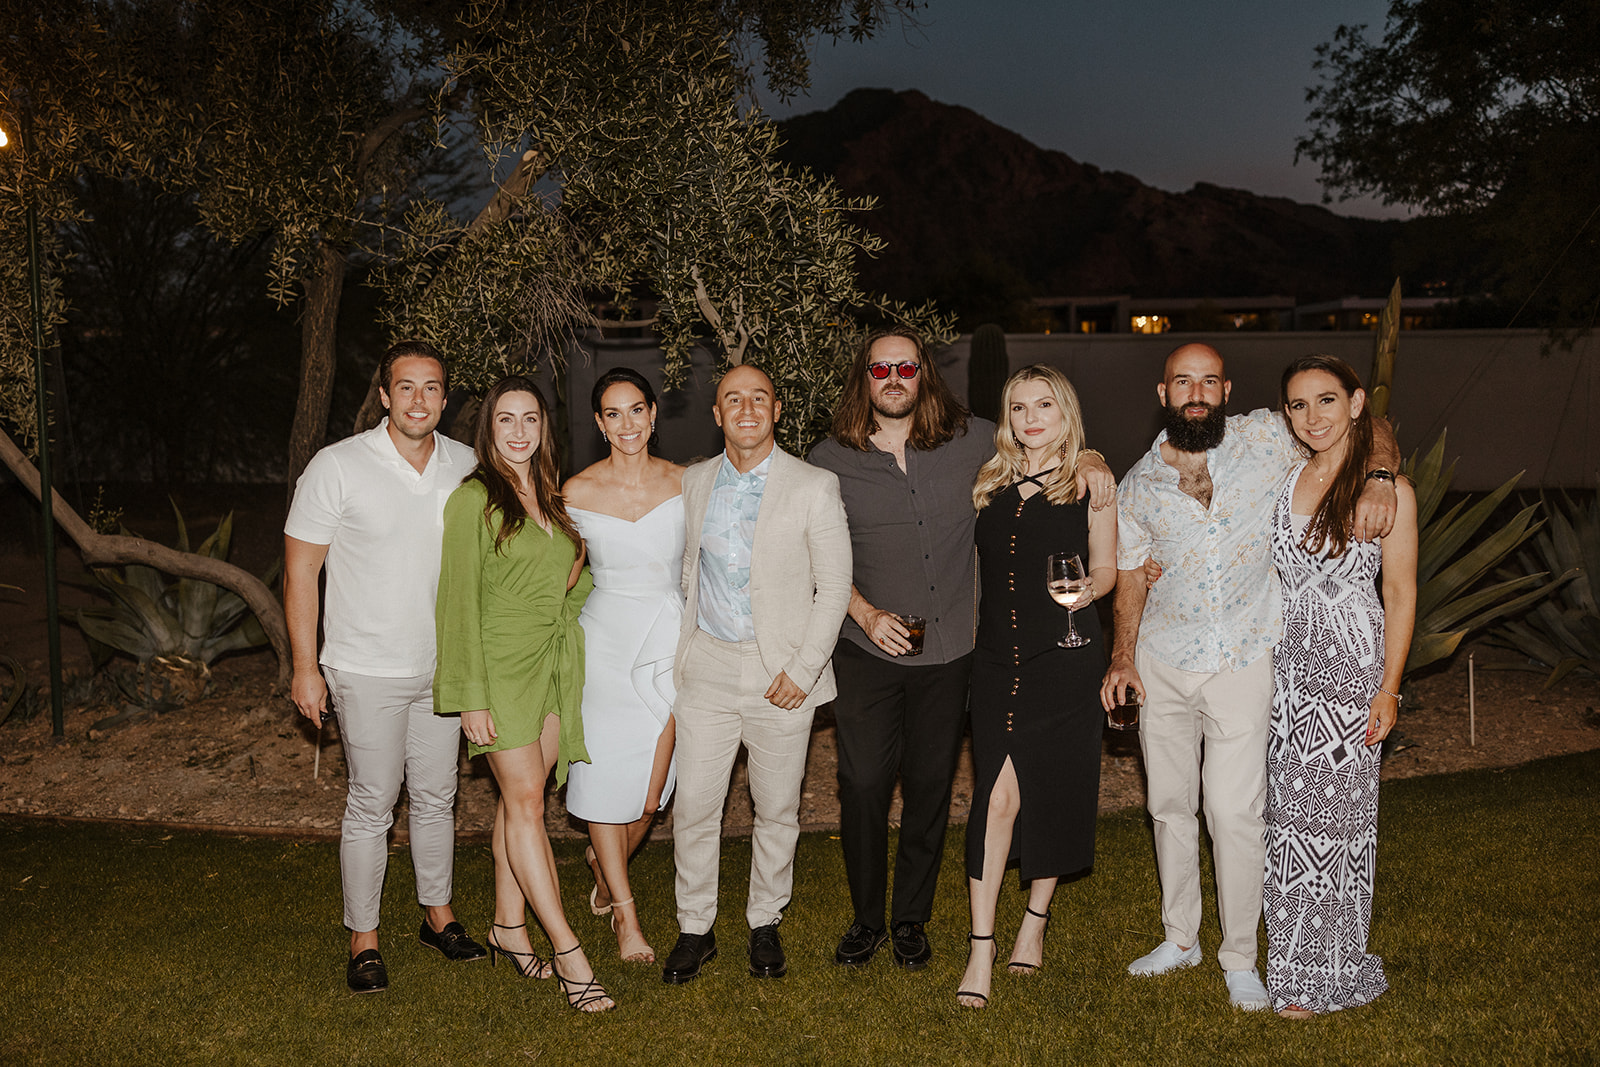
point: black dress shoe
(911, 948)
(766, 953)
(692, 952)
(365, 972)
(452, 941)
(859, 944)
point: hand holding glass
(1069, 586)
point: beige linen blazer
(800, 570)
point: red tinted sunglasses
(881, 371)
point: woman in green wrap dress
(511, 664)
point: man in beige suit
(766, 574)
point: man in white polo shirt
(371, 509)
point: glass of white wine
(1071, 587)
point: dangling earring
(604, 438)
(1016, 440)
(1063, 453)
(652, 426)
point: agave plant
(1450, 603)
(1563, 632)
(174, 629)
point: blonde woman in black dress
(1036, 716)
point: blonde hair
(1009, 462)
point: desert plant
(1450, 603)
(175, 630)
(1562, 633)
(987, 370)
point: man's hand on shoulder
(1375, 510)
(1096, 481)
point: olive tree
(1485, 114)
(661, 199)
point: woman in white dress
(629, 509)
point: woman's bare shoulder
(672, 473)
(584, 486)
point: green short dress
(507, 626)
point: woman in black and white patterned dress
(1338, 669)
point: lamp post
(52, 606)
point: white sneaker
(1246, 992)
(1167, 957)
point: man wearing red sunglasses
(906, 451)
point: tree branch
(627, 324)
(734, 348)
(109, 549)
(379, 134)
(511, 191)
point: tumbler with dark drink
(919, 629)
(1124, 714)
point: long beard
(1196, 435)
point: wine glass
(1070, 587)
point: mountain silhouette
(973, 212)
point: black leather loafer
(366, 973)
(452, 941)
(911, 948)
(692, 952)
(858, 945)
(766, 953)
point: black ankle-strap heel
(531, 969)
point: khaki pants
(1206, 735)
(720, 707)
(392, 737)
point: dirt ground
(240, 759)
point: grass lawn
(136, 946)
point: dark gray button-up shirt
(911, 535)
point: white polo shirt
(383, 523)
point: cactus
(987, 371)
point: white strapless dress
(630, 631)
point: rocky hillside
(964, 203)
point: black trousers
(896, 719)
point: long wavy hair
(496, 475)
(1332, 523)
(939, 415)
(628, 376)
(1009, 462)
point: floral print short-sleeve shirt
(1216, 603)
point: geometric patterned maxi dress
(1322, 781)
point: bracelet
(1398, 699)
(1093, 452)
(1382, 474)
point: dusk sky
(1171, 92)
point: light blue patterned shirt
(1216, 603)
(726, 539)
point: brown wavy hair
(939, 415)
(1332, 523)
(495, 474)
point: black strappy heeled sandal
(1029, 968)
(581, 994)
(527, 970)
(967, 992)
